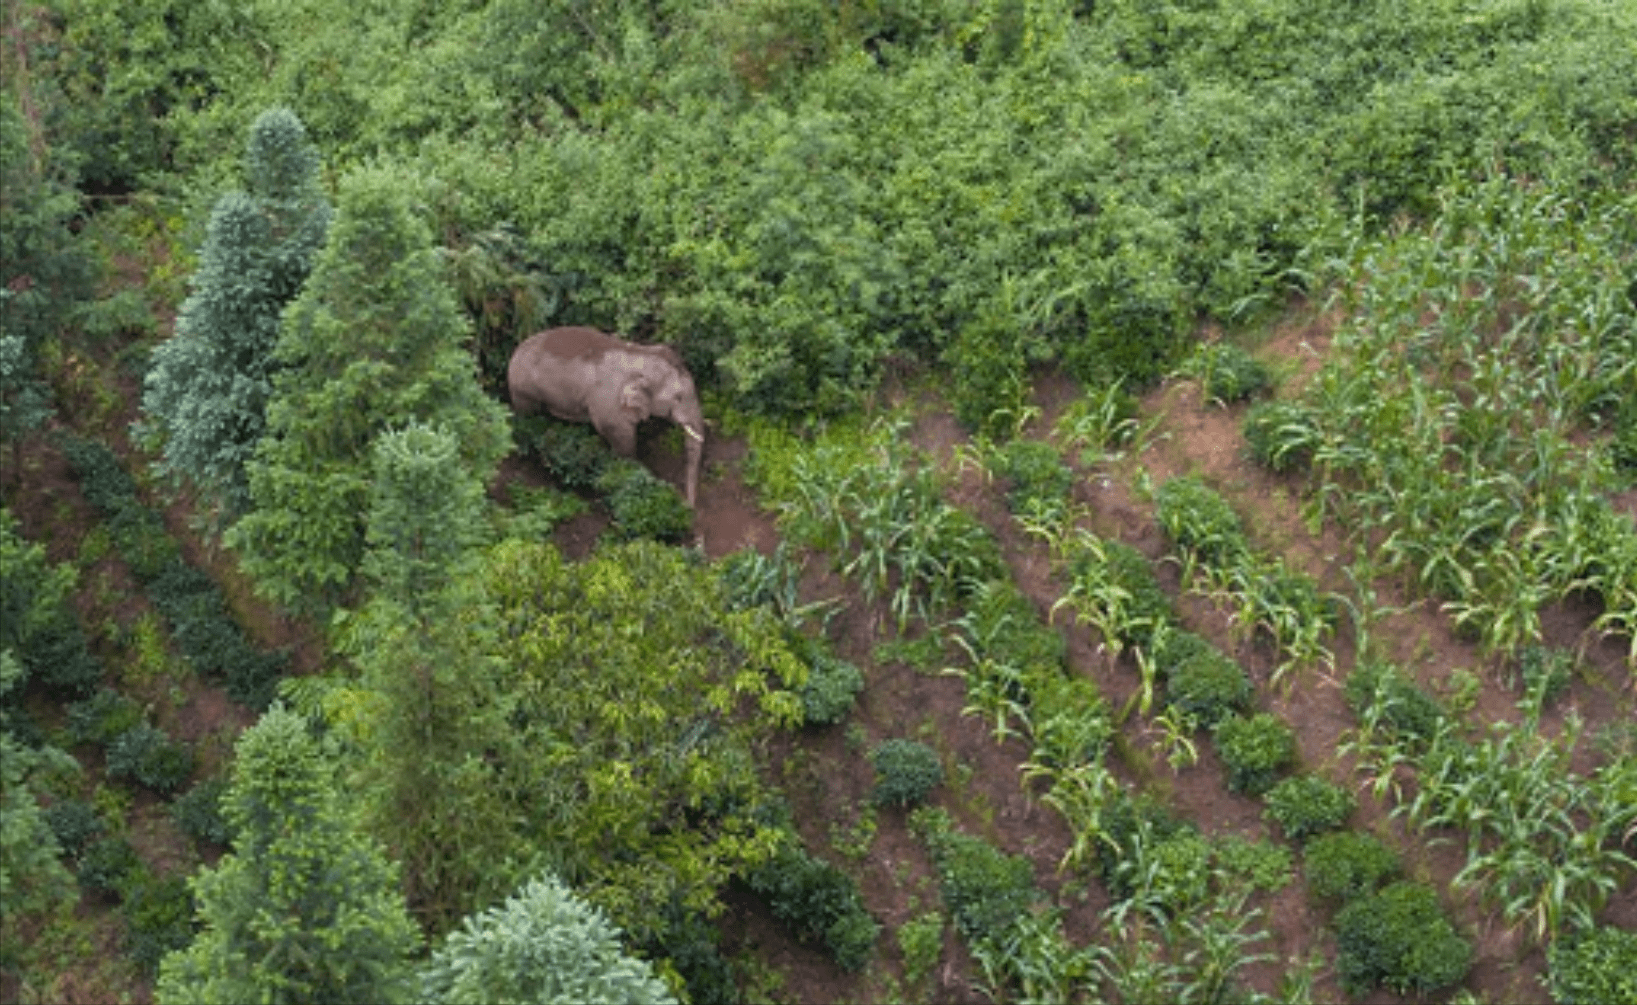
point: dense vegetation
(261, 268)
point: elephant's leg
(620, 435)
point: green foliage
(572, 451)
(543, 944)
(426, 513)
(1381, 695)
(158, 917)
(198, 813)
(1209, 686)
(74, 822)
(32, 877)
(1399, 937)
(832, 687)
(629, 750)
(373, 342)
(190, 600)
(38, 626)
(1036, 472)
(1599, 965)
(1264, 865)
(1255, 750)
(1307, 805)
(921, 941)
(1228, 373)
(206, 391)
(905, 772)
(303, 908)
(1545, 673)
(1345, 864)
(641, 504)
(1282, 435)
(103, 717)
(1112, 585)
(107, 866)
(989, 377)
(1199, 522)
(25, 402)
(150, 757)
(986, 890)
(818, 900)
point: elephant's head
(665, 390)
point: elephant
(584, 375)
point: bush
(74, 822)
(158, 919)
(107, 867)
(1400, 938)
(102, 717)
(1347, 864)
(986, 890)
(146, 754)
(573, 453)
(1002, 625)
(905, 771)
(1255, 749)
(1199, 521)
(1593, 967)
(1118, 583)
(819, 901)
(1229, 373)
(1209, 686)
(198, 812)
(1129, 823)
(1036, 472)
(1546, 672)
(1307, 805)
(832, 687)
(1281, 435)
(1381, 691)
(642, 505)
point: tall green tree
(304, 909)
(208, 387)
(425, 643)
(32, 876)
(544, 944)
(374, 341)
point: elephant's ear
(636, 397)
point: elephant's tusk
(689, 430)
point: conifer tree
(544, 944)
(425, 643)
(304, 909)
(375, 340)
(207, 390)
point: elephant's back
(574, 342)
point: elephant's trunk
(694, 444)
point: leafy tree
(208, 387)
(544, 944)
(304, 908)
(32, 876)
(425, 644)
(37, 624)
(374, 341)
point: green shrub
(905, 771)
(1199, 521)
(1545, 672)
(102, 717)
(198, 812)
(1036, 472)
(819, 901)
(1177, 646)
(986, 890)
(107, 866)
(921, 941)
(1071, 724)
(1255, 750)
(1209, 686)
(1307, 805)
(1113, 585)
(1131, 823)
(1002, 625)
(832, 687)
(1346, 864)
(1173, 874)
(1381, 692)
(1266, 865)
(573, 452)
(1593, 967)
(145, 753)
(642, 505)
(158, 919)
(1400, 938)
(75, 822)
(1229, 373)
(1281, 435)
